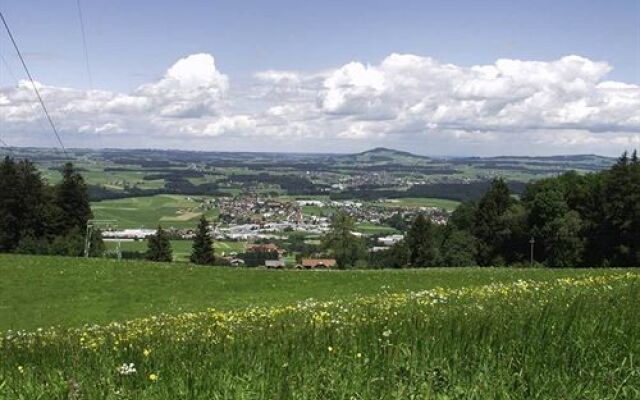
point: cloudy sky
(432, 77)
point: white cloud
(566, 102)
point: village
(265, 226)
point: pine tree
(9, 205)
(202, 252)
(159, 247)
(72, 202)
(33, 201)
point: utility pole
(95, 224)
(532, 241)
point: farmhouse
(313, 263)
(265, 248)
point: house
(265, 248)
(274, 264)
(313, 263)
(390, 240)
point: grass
(181, 248)
(416, 202)
(373, 229)
(176, 211)
(43, 291)
(572, 338)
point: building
(390, 240)
(265, 248)
(313, 263)
(274, 264)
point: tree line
(202, 253)
(39, 218)
(571, 220)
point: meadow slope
(570, 338)
(42, 291)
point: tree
(565, 244)
(489, 223)
(343, 244)
(9, 205)
(159, 247)
(397, 256)
(202, 252)
(33, 214)
(422, 243)
(72, 201)
(96, 245)
(457, 249)
(622, 210)
(464, 216)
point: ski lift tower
(102, 224)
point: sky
(432, 77)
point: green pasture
(178, 211)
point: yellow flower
(146, 352)
(358, 355)
(153, 377)
(330, 349)
(21, 369)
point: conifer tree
(159, 247)
(72, 201)
(9, 205)
(202, 252)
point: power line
(6, 146)
(84, 45)
(33, 83)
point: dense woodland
(38, 218)
(590, 220)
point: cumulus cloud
(566, 102)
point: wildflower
(330, 349)
(153, 377)
(359, 355)
(127, 369)
(146, 352)
(21, 369)
(387, 333)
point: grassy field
(177, 211)
(416, 202)
(181, 248)
(42, 291)
(436, 334)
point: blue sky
(133, 43)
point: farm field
(181, 248)
(177, 211)
(458, 333)
(416, 202)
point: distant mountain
(383, 155)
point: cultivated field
(179, 211)
(222, 333)
(181, 248)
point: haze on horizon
(432, 78)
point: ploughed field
(204, 333)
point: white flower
(127, 369)
(387, 333)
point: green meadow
(184, 332)
(178, 211)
